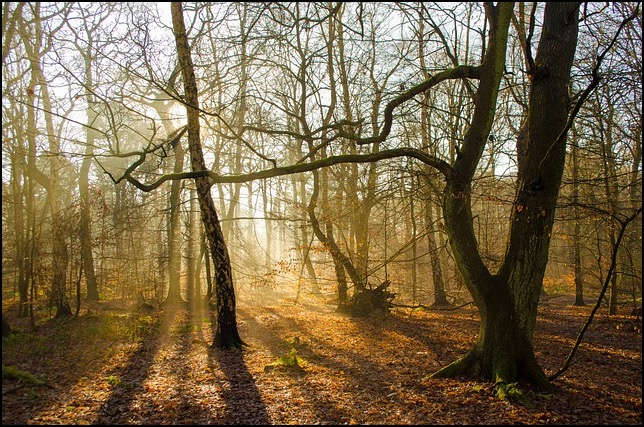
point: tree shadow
(190, 407)
(74, 352)
(241, 397)
(316, 393)
(127, 382)
(176, 331)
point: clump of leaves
(511, 393)
(478, 387)
(12, 373)
(288, 360)
(116, 381)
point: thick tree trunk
(226, 333)
(503, 352)
(507, 302)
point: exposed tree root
(367, 301)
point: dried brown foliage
(355, 371)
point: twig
(611, 270)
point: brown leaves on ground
(348, 371)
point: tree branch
(611, 270)
(591, 86)
(215, 178)
(459, 72)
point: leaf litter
(308, 364)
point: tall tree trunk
(191, 256)
(226, 333)
(30, 202)
(268, 224)
(440, 297)
(205, 251)
(414, 244)
(174, 232)
(578, 267)
(87, 255)
(305, 242)
(59, 244)
(507, 301)
(18, 189)
(611, 189)
(633, 240)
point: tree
(88, 83)
(226, 334)
(507, 301)
(579, 280)
(36, 48)
(174, 231)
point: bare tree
(36, 45)
(226, 334)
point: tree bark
(174, 232)
(507, 301)
(191, 252)
(611, 188)
(579, 271)
(440, 296)
(226, 333)
(18, 189)
(87, 255)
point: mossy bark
(507, 301)
(503, 352)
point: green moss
(288, 360)
(511, 393)
(12, 373)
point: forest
(322, 213)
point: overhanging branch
(459, 72)
(215, 178)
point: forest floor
(116, 366)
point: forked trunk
(507, 301)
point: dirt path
(351, 371)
